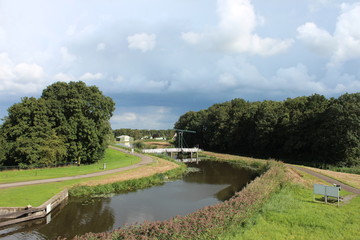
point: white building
(124, 138)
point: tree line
(68, 123)
(138, 134)
(310, 129)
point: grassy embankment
(292, 214)
(113, 159)
(277, 205)
(210, 221)
(35, 195)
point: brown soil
(159, 144)
(159, 166)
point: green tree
(81, 115)
(70, 122)
(29, 134)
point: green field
(292, 214)
(113, 159)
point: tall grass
(209, 222)
(291, 214)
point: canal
(207, 183)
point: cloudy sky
(161, 58)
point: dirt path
(326, 179)
(145, 160)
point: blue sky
(161, 58)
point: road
(145, 160)
(327, 179)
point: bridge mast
(181, 140)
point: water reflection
(214, 182)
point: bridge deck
(172, 150)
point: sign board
(333, 191)
(327, 191)
(319, 189)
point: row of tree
(308, 129)
(144, 133)
(68, 123)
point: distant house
(124, 138)
(160, 138)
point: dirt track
(145, 160)
(326, 179)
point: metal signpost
(327, 191)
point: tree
(30, 137)
(81, 115)
(70, 122)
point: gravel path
(145, 160)
(327, 179)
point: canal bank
(220, 189)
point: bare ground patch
(159, 166)
(159, 144)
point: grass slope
(292, 214)
(35, 195)
(113, 159)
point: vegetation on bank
(35, 195)
(128, 185)
(112, 159)
(209, 222)
(313, 130)
(291, 214)
(69, 123)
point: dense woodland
(68, 123)
(138, 134)
(310, 129)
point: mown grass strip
(113, 159)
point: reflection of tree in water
(78, 218)
(221, 173)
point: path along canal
(209, 183)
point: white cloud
(64, 77)
(100, 46)
(343, 44)
(150, 117)
(71, 30)
(66, 55)
(191, 37)
(23, 77)
(297, 79)
(227, 79)
(318, 40)
(29, 71)
(125, 117)
(142, 41)
(91, 76)
(235, 31)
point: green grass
(36, 195)
(292, 214)
(113, 159)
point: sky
(159, 59)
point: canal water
(206, 184)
